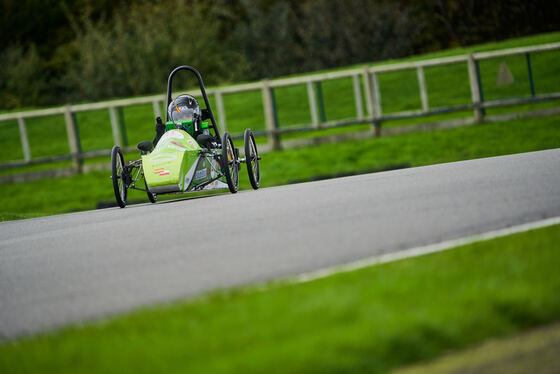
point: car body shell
(179, 164)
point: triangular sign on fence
(504, 75)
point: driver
(186, 108)
(183, 108)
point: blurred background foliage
(54, 51)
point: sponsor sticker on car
(161, 171)
(176, 134)
(200, 174)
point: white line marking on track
(420, 251)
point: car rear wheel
(229, 164)
(118, 175)
(252, 159)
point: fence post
(24, 139)
(376, 96)
(475, 88)
(376, 104)
(368, 90)
(122, 127)
(115, 126)
(530, 71)
(221, 111)
(73, 139)
(157, 108)
(358, 96)
(312, 104)
(321, 102)
(423, 91)
(270, 116)
(371, 102)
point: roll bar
(202, 90)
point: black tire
(117, 172)
(229, 164)
(252, 159)
(151, 196)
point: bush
(22, 78)
(134, 52)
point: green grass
(83, 192)
(366, 321)
(447, 85)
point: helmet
(184, 108)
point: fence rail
(366, 77)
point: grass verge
(370, 320)
(84, 192)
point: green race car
(187, 155)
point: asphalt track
(77, 267)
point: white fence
(366, 77)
